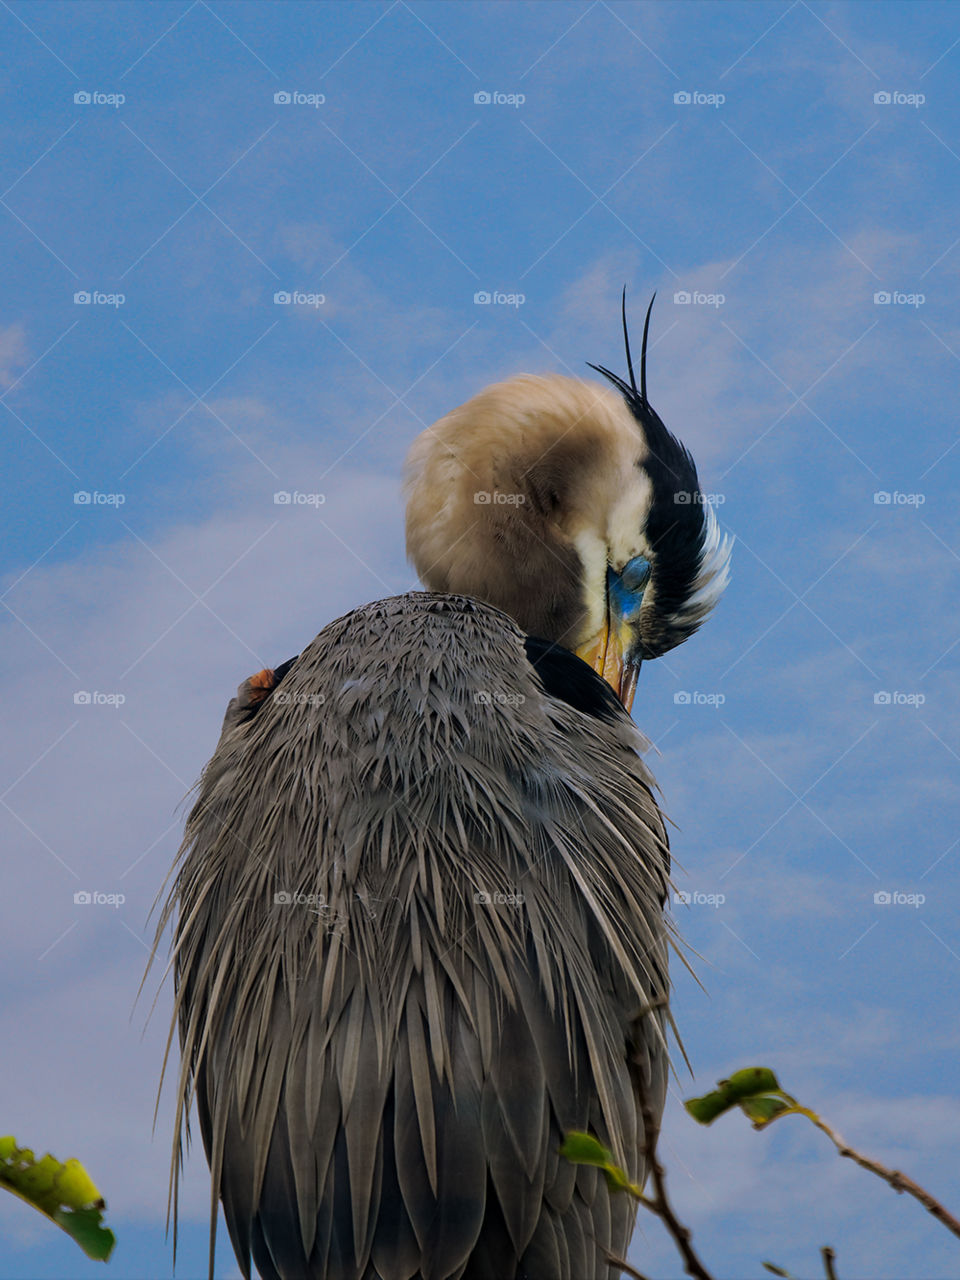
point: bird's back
(419, 938)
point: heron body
(420, 926)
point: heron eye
(635, 573)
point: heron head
(572, 508)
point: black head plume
(680, 531)
(629, 391)
(626, 346)
(665, 450)
(643, 348)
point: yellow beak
(606, 653)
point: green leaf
(617, 1179)
(584, 1148)
(762, 1110)
(743, 1085)
(63, 1192)
(86, 1227)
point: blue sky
(806, 740)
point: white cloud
(14, 353)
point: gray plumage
(384, 1068)
(419, 907)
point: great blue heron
(419, 913)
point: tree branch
(899, 1181)
(659, 1203)
(623, 1265)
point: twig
(659, 1203)
(623, 1265)
(829, 1256)
(899, 1181)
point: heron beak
(611, 652)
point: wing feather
(383, 1085)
